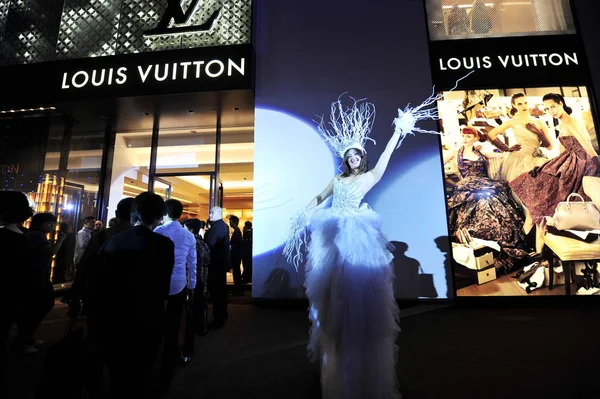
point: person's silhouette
(443, 244)
(407, 272)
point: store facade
(213, 102)
(109, 99)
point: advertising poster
(510, 155)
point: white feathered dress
(354, 315)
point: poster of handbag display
(512, 158)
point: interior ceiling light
(28, 110)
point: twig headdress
(348, 127)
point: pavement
(536, 350)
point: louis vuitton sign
(154, 73)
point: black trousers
(236, 267)
(195, 320)
(217, 289)
(175, 305)
(130, 366)
(36, 305)
(247, 261)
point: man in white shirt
(83, 238)
(183, 282)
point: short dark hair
(14, 207)
(174, 208)
(147, 208)
(248, 224)
(195, 225)
(123, 211)
(362, 168)
(234, 220)
(40, 218)
(88, 219)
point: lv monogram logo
(181, 20)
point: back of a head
(234, 220)
(217, 212)
(174, 208)
(40, 218)
(14, 207)
(123, 211)
(147, 208)
(194, 224)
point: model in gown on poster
(543, 188)
(485, 207)
(529, 132)
(349, 275)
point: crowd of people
(134, 282)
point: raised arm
(493, 134)
(318, 200)
(379, 169)
(493, 137)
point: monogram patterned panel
(4, 4)
(88, 28)
(40, 30)
(233, 26)
(31, 31)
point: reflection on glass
(451, 19)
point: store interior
(191, 162)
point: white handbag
(576, 215)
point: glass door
(193, 190)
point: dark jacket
(217, 238)
(130, 283)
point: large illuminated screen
(511, 156)
(300, 73)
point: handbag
(576, 215)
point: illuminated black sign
(508, 62)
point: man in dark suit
(128, 289)
(217, 238)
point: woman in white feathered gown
(349, 275)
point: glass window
(130, 167)
(450, 19)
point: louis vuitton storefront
(107, 99)
(215, 102)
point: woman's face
(553, 108)
(468, 138)
(521, 104)
(353, 158)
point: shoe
(185, 360)
(28, 350)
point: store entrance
(194, 190)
